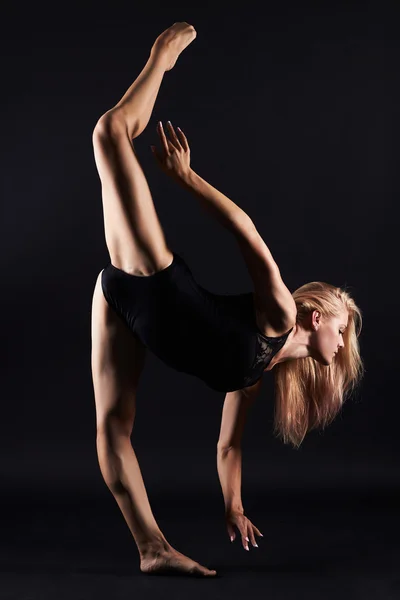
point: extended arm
(229, 453)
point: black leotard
(211, 336)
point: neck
(297, 345)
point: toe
(208, 572)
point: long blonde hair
(309, 395)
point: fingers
(247, 531)
(243, 530)
(174, 137)
(258, 532)
(168, 145)
(183, 139)
(171, 147)
(157, 155)
(245, 541)
(176, 143)
(231, 532)
(252, 538)
(164, 141)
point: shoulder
(277, 321)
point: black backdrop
(290, 110)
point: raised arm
(174, 160)
(274, 304)
(216, 204)
(275, 307)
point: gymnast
(148, 298)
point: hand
(174, 158)
(246, 528)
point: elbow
(223, 449)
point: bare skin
(136, 244)
(316, 337)
(168, 561)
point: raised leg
(134, 236)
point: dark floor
(326, 544)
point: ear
(316, 318)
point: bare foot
(173, 41)
(172, 562)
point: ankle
(156, 545)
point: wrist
(233, 507)
(187, 178)
(229, 472)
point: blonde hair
(308, 394)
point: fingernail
(247, 548)
(256, 545)
(169, 122)
(261, 535)
(247, 539)
(160, 124)
(231, 538)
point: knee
(111, 124)
(114, 430)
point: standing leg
(117, 360)
(134, 236)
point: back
(211, 336)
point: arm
(273, 301)
(229, 454)
(174, 159)
(219, 206)
(272, 297)
(229, 466)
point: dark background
(290, 109)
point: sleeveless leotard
(211, 336)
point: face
(327, 337)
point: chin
(324, 361)
(320, 358)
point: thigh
(134, 236)
(117, 361)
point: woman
(147, 297)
